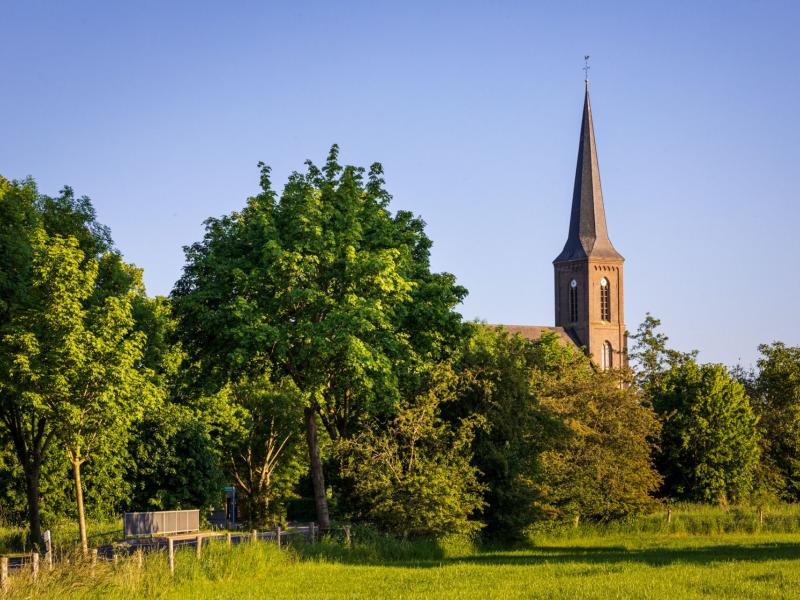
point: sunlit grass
(612, 565)
(643, 558)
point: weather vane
(586, 66)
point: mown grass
(703, 553)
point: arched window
(605, 299)
(573, 301)
(607, 361)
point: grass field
(641, 559)
(611, 566)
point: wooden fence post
(94, 556)
(139, 558)
(278, 535)
(48, 546)
(228, 538)
(347, 536)
(171, 555)
(199, 547)
(311, 532)
(254, 535)
(3, 574)
(761, 517)
(576, 521)
(669, 515)
(35, 565)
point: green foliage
(69, 353)
(709, 442)
(496, 369)
(560, 440)
(176, 465)
(775, 395)
(414, 476)
(12, 488)
(323, 285)
(651, 357)
(262, 444)
(599, 465)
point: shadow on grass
(537, 555)
(650, 556)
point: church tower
(588, 272)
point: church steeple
(588, 235)
(589, 271)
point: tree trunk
(32, 475)
(30, 446)
(317, 478)
(76, 472)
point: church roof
(588, 236)
(534, 332)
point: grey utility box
(165, 522)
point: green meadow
(703, 552)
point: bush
(414, 477)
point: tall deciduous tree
(775, 394)
(497, 383)
(599, 465)
(30, 434)
(709, 446)
(325, 286)
(709, 441)
(76, 359)
(69, 352)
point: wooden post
(347, 541)
(761, 517)
(199, 547)
(228, 538)
(35, 565)
(254, 535)
(94, 556)
(669, 515)
(278, 535)
(48, 555)
(171, 555)
(3, 574)
(311, 532)
(576, 521)
(139, 558)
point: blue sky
(159, 111)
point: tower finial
(586, 68)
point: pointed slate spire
(588, 236)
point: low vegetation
(701, 553)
